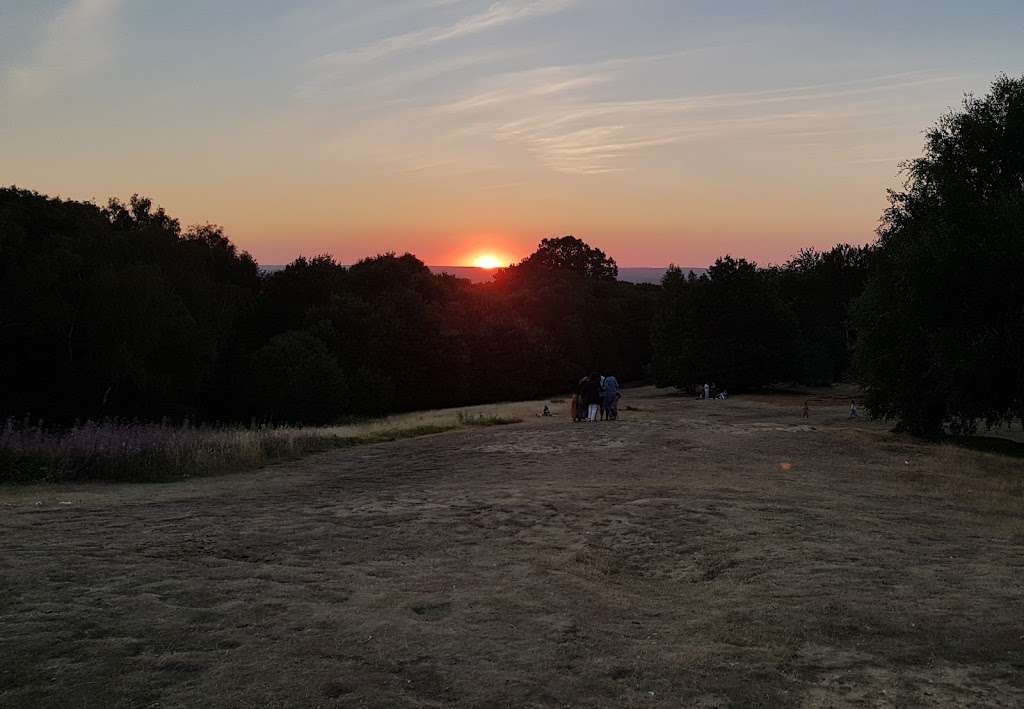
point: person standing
(853, 409)
(579, 406)
(592, 395)
(611, 395)
(807, 410)
(707, 391)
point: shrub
(297, 380)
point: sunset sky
(659, 130)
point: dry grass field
(695, 554)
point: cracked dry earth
(704, 554)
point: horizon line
(479, 268)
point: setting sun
(489, 261)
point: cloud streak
(611, 115)
(499, 14)
(550, 114)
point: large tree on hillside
(941, 323)
(569, 294)
(572, 255)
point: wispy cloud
(74, 42)
(338, 79)
(589, 118)
(740, 99)
(550, 113)
(501, 13)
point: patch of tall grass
(145, 452)
(469, 419)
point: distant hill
(652, 275)
(630, 275)
(480, 275)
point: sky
(662, 131)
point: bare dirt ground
(692, 554)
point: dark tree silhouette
(113, 312)
(118, 311)
(296, 379)
(572, 255)
(941, 323)
(728, 326)
(819, 287)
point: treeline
(119, 312)
(741, 327)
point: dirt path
(669, 559)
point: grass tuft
(485, 420)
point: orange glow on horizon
(490, 261)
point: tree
(728, 326)
(819, 287)
(288, 295)
(941, 322)
(572, 255)
(114, 312)
(297, 380)
(567, 309)
(139, 214)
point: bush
(297, 380)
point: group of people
(596, 398)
